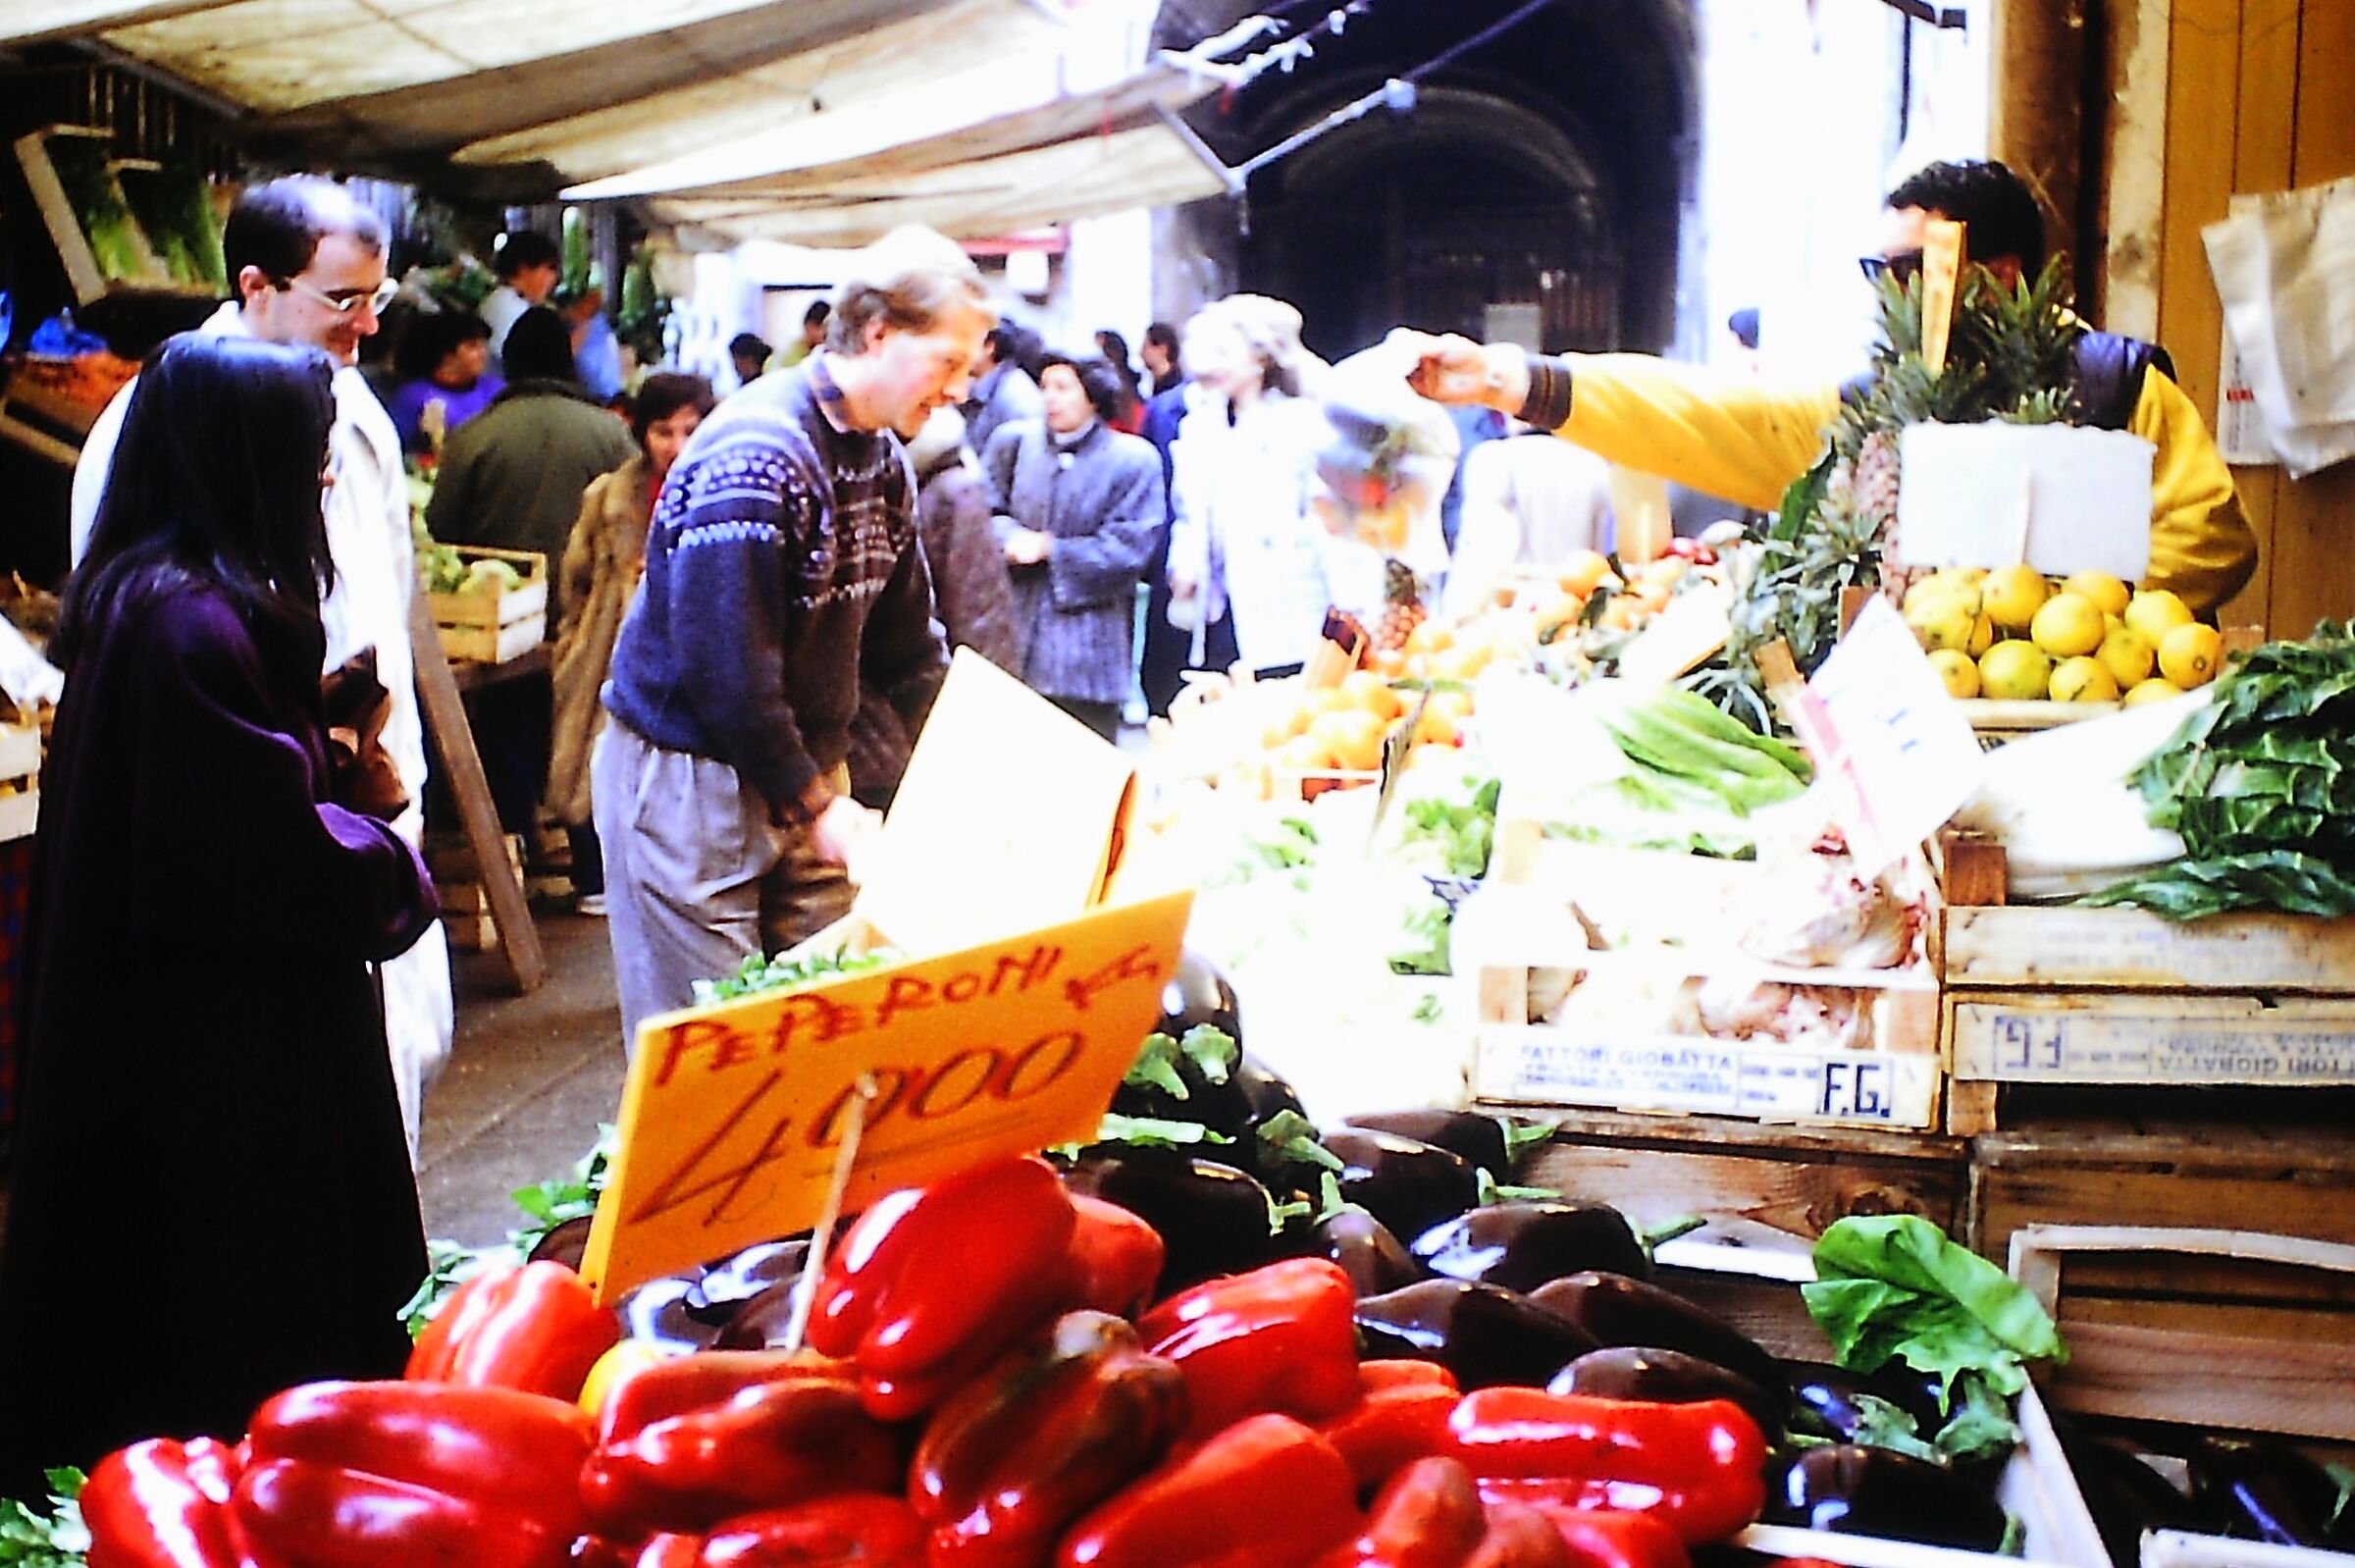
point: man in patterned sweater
(783, 565)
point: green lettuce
(1894, 1288)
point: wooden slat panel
(2203, 98)
(2206, 1380)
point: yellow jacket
(1745, 440)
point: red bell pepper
(537, 1329)
(1699, 1468)
(396, 1474)
(1053, 1429)
(1601, 1538)
(666, 1550)
(855, 1530)
(678, 1384)
(932, 1285)
(1402, 1417)
(779, 1442)
(162, 1504)
(1279, 1339)
(1265, 1493)
(1431, 1516)
(1115, 1257)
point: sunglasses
(1904, 267)
(348, 302)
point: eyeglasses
(348, 302)
(1904, 267)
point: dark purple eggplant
(1523, 1245)
(1199, 993)
(1407, 1186)
(1668, 1378)
(2269, 1492)
(1213, 1218)
(1481, 1332)
(1826, 1400)
(567, 1244)
(1466, 1134)
(1852, 1490)
(658, 1312)
(760, 1321)
(1374, 1260)
(2125, 1495)
(732, 1281)
(1619, 1311)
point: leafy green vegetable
(1893, 1286)
(546, 1204)
(757, 974)
(96, 198)
(1983, 1428)
(1428, 934)
(1464, 831)
(1152, 1132)
(46, 1537)
(2261, 784)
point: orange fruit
(1582, 571)
(1437, 728)
(1369, 690)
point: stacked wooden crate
(458, 880)
(492, 624)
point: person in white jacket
(307, 260)
(1242, 476)
(1528, 502)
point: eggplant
(2125, 1495)
(2269, 1492)
(1825, 1400)
(1523, 1245)
(658, 1312)
(1484, 1333)
(760, 1321)
(1199, 993)
(1407, 1186)
(1619, 1311)
(1668, 1378)
(1374, 1260)
(1213, 1218)
(567, 1244)
(734, 1280)
(1466, 1134)
(1852, 1490)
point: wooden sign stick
(805, 1290)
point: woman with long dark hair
(212, 1195)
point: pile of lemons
(2015, 634)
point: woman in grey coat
(1077, 506)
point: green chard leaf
(1894, 1288)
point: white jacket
(375, 554)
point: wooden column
(2036, 124)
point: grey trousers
(697, 878)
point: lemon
(1943, 623)
(2014, 672)
(1934, 595)
(2069, 624)
(2083, 680)
(1956, 669)
(2191, 655)
(2155, 612)
(2154, 689)
(1982, 636)
(2012, 595)
(2105, 591)
(2128, 655)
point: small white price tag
(1897, 754)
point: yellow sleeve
(2201, 547)
(1728, 436)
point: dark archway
(1547, 169)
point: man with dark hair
(306, 258)
(1078, 508)
(1743, 440)
(813, 334)
(528, 267)
(782, 571)
(749, 353)
(1003, 391)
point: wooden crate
(89, 279)
(491, 627)
(1636, 899)
(2200, 1328)
(2127, 999)
(2240, 1159)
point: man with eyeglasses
(1746, 440)
(307, 259)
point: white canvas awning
(762, 113)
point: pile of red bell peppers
(976, 1393)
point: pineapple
(1402, 599)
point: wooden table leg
(452, 737)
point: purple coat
(211, 1197)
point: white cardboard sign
(2061, 498)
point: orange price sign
(734, 1115)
